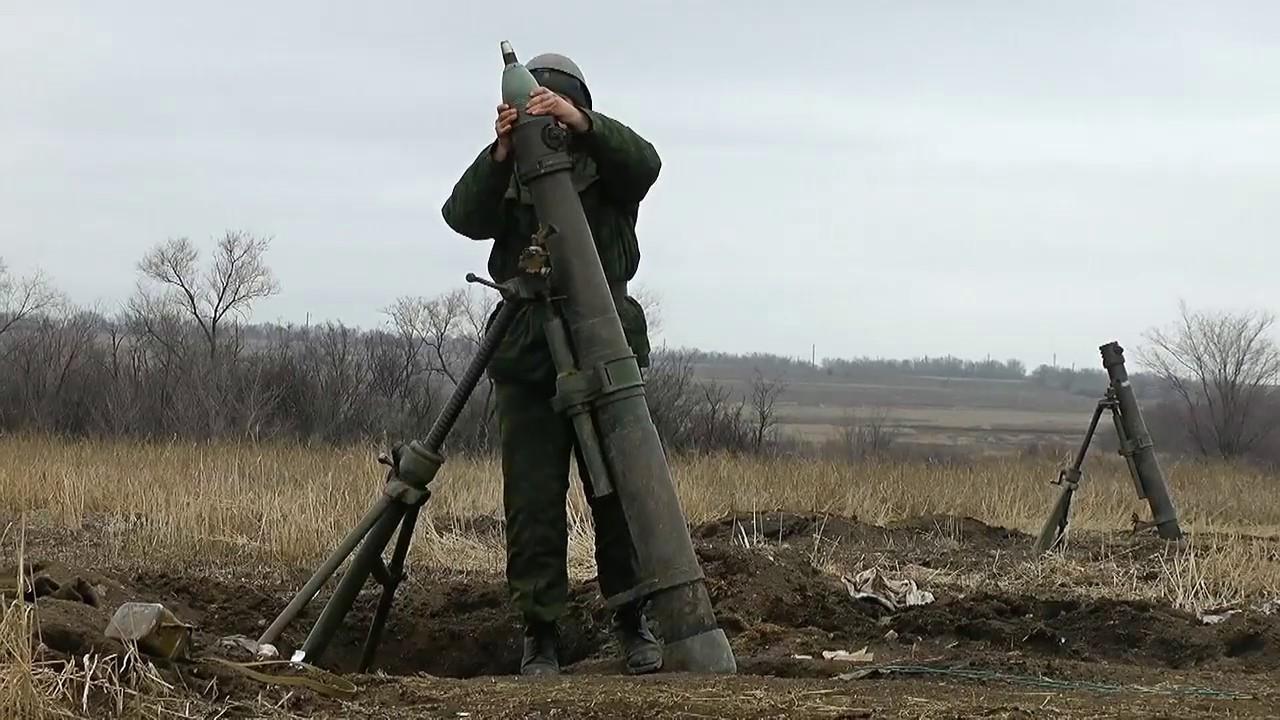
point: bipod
(412, 467)
(1055, 528)
(1136, 447)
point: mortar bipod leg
(394, 576)
(414, 467)
(344, 595)
(1055, 526)
(325, 571)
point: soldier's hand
(544, 102)
(502, 128)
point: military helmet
(562, 75)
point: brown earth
(772, 602)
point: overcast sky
(879, 178)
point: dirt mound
(439, 625)
(769, 598)
(67, 628)
(962, 530)
(72, 606)
(800, 528)
(774, 604)
(772, 601)
(785, 527)
(1100, 629)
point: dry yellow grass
(19, 691)
(32, 688)
(285, 505)
(254, 508)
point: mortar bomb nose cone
(508, 54)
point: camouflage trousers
(536, 444)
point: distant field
(985, 415)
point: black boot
(540, 658)
(640, 648)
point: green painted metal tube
(671, 577)
(1140, 448)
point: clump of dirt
(71, 604)
(66, 628)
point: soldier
(613, 170)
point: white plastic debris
(859, 656)
(1217, 617)
(156, 631)
(893, 593)
(259, 651)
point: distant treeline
(178, 359)
(869, 368)
(1089, 382)
(149, 372)
(946, 366)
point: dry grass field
(224, 532)
(970, 414)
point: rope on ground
(309, 676)
(1044, 682)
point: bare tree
(341, 376)
(237, 277)
(764, 395)
(48, 358)
(478, 306)
(1223, 368)
(20, 298)
(440, 328)
(651, 304)
(860, 437)
(403, 317)
(720, 421)
(669, 390)
(440, 336)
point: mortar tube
(1141, 447)
(668, 566)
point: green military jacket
(613, 170)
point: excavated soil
(771, 600)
